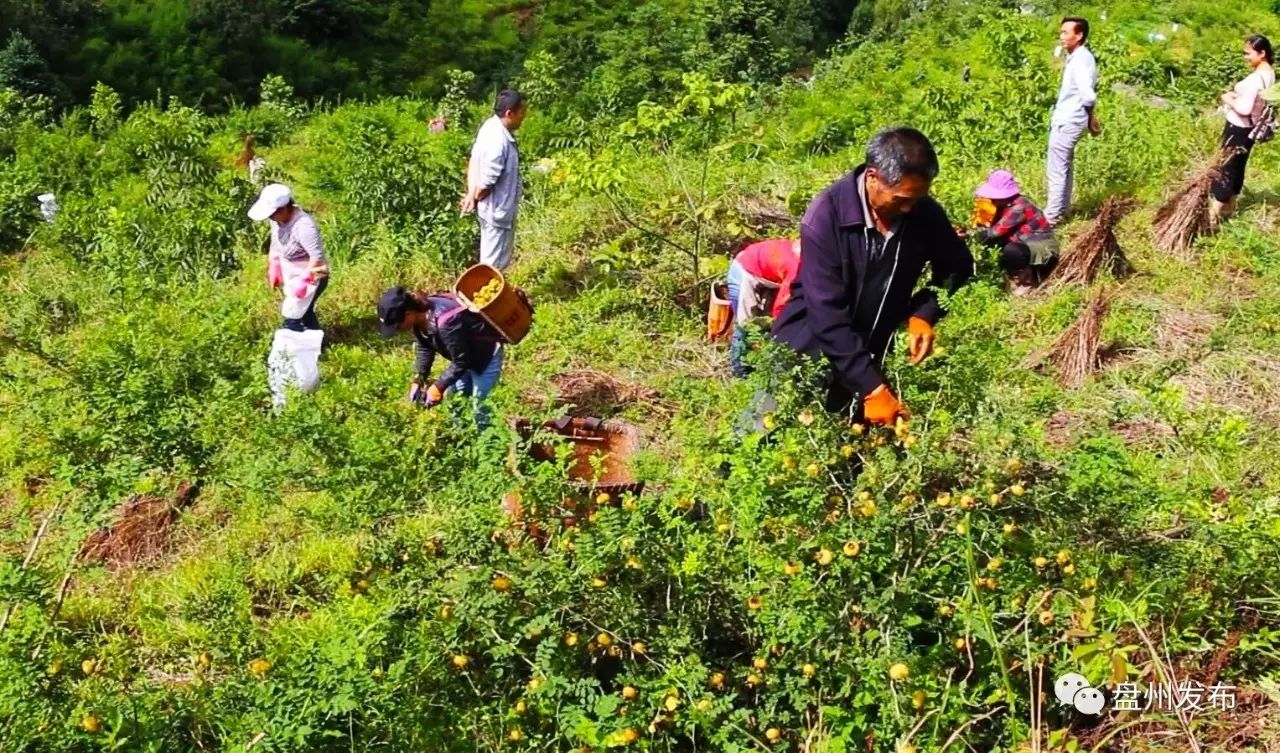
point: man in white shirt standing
(493, 179)
(1072, 115)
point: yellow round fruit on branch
(378, 673)
(445, 611)
(996, 500)
(603, 498)
(723, 528)
(533, 684)
(824, 557)
(259, 666)
(1040, 562)
(1013, 465)
(633, 563)
(813, 469)
(640, 647)
(460, 661)
(847, 451)
(788, 462)
(704, 705)
(754, 680)
(946, 610)
(716, 681)
(571, 639)
(1069, 569)
(791, 568)
(899, 672)
(1089, 584)
(806, 417)
(515, 735)
(967, 502)
(604, 640)
(769, 422)
(1017, 490)
(630, 735)
(918, 699)
(760, 663)
(995, 563)
(521, 706)
(773, 734)
(88, 665)
(755, 602)
(91, 724)
(671, 703)
(598, 582)
(962, 528)
(851, 548)
(1046, 617)
(1063, 556)
(961, 644)
(630, 693)
(857, 430)
(54, 668)
(1009, 528)
(943, 499)
(809, 671)
(501, 583)
(867, 509)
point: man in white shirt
(1072, 115)
(493, 179)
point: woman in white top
(1242, 105)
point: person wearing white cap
(296, 259)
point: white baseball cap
(272, 198)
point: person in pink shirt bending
(759, 285)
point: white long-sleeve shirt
(1078, 90)
(495, 164)
(1248, 104)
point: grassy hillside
(344, 578)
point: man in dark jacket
(864, 244)
(441, 325)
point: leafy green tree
(23, 69)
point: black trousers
(309, 320)
(1233, 172)
(1015, 259)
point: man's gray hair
(898, 152)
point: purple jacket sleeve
(830, 301)
(951, 266)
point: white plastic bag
(294, 361)
(293, 307)
(48, 206)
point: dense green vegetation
(611, 53)
(345, 579)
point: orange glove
(881, 407)
(434, 396)
(920, 339)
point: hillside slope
(342, 577)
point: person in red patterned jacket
(1006, 218)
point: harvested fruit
(487, 293)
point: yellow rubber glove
(881, 407)
(920, 339)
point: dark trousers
(1015, 260)
(1232, 183)
(309, 320)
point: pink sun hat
(1000, 185)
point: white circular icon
(1089, 701)
(1067, 686)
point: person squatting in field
(864, 244)
(1005, 218)
(296, 258)
(759, 283)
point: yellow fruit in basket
(487, 293)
